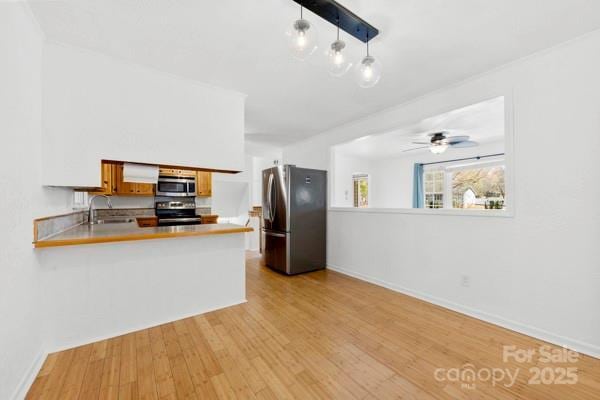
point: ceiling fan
(440, 141)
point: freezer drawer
(276, 250)
(293, 254)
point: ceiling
(240, 45)
(482, 122)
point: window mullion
(447, 189)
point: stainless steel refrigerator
(294, 219)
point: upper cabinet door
(144, 189)
(203, 183)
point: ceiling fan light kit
(438, 148)
(303, 40)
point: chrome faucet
(91, 219)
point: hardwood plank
(146, 382)
(181, 375)
(92, 381)
(128, 371)
(109, 387)
(199, 374)
(165, 385)
(222, 387)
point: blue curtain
(418, 190)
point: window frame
(434, 192)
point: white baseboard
(29, 377)
(573, 344)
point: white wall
(97, 107)
(263, 156)
(136, 285)
(391, 180)
(22, 198)
(537, 272)
(231, 193)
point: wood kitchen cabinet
(203, 183)
(122, 188)
(176, 172)
(107, 174)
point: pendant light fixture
(338, 63)
(368, 71)
(302, 38)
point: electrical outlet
(465, 280)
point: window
(361, 190)
(434, 188)
(478, 185)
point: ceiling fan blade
(428, 143)
(468, 143)
(416, 148)
(456, 139)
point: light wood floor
(316, 336)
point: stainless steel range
(176, 211)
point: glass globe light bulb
(302, 39)
(368, 72)
(338, 64)
(438, 148)
(338, 58)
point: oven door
(175, 187)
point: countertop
(120, 232)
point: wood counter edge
(135, 237)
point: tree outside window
(479, 188)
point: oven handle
(179, 219)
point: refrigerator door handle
(273, 200)
(270, 196)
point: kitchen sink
(113, 221)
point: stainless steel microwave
(176, 186)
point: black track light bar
(339, 15)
